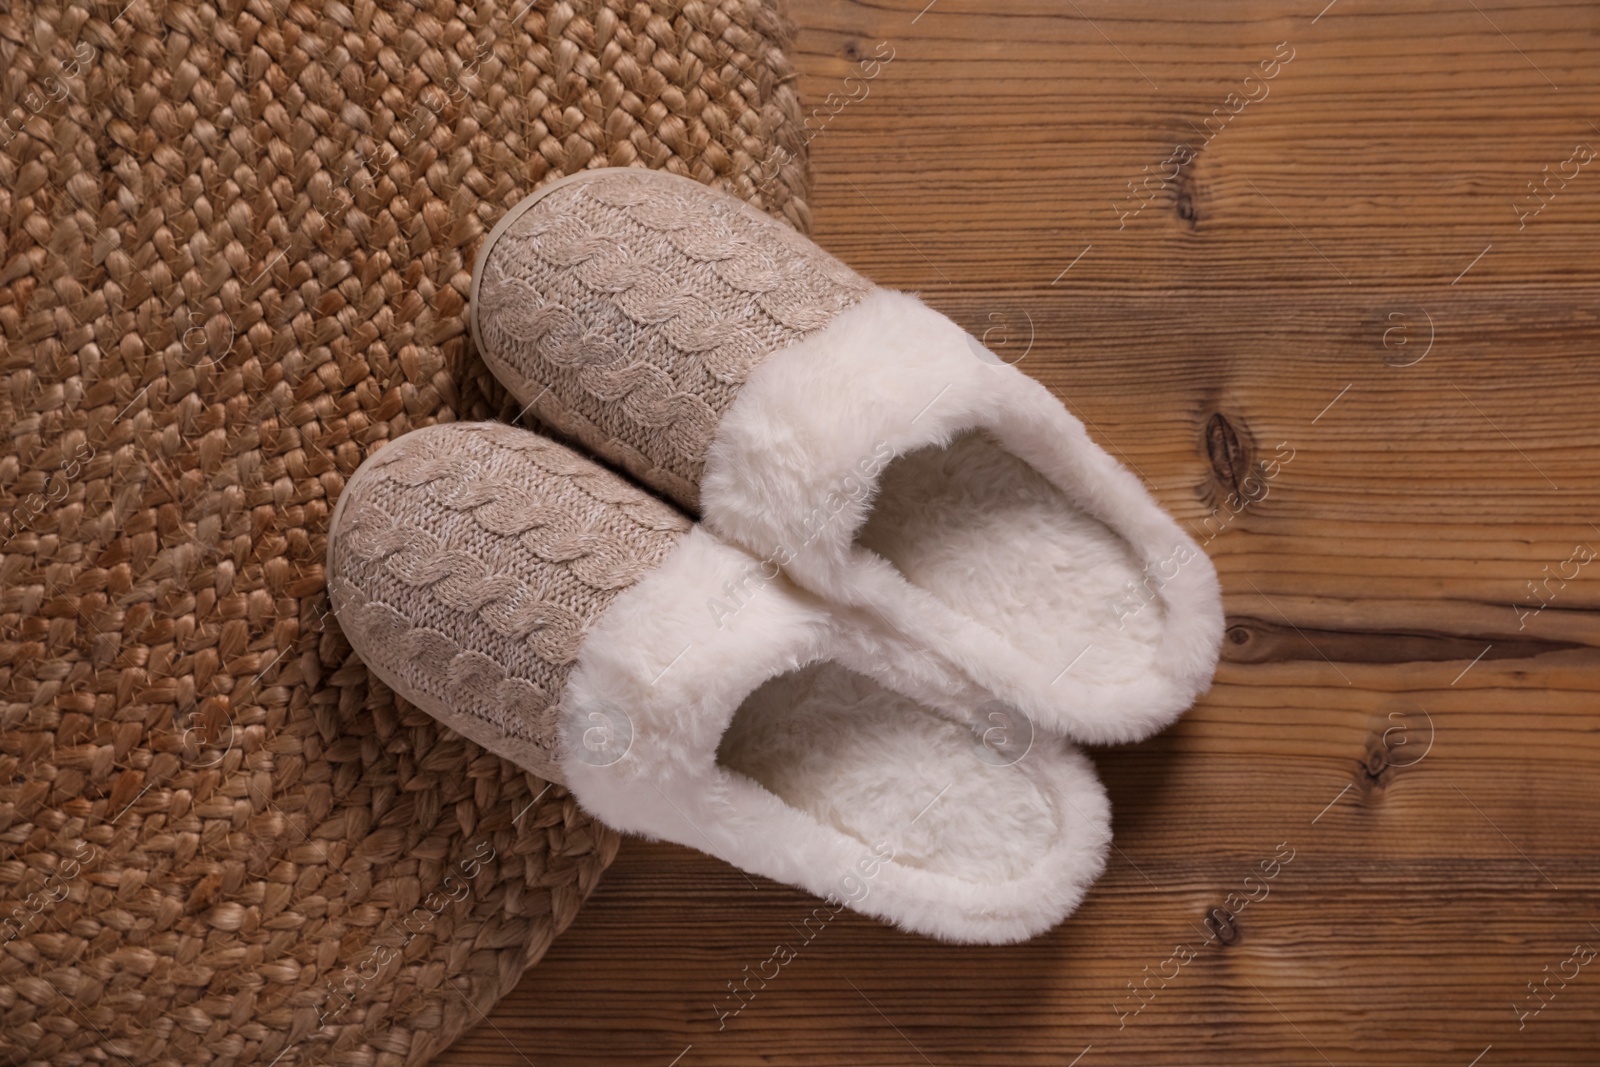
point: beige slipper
(853, 437)
(550, 611)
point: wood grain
(1253, 301)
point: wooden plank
(1341, 269)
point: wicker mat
(238, 241)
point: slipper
(555, 614)
(852, 436)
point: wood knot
(1232, 456)
(1184, 200)
(1224, 926)
(1375, 765)
(1401, 737)
(1245, 641)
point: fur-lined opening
(912, 787)
(1004, 542)
(996, 541)
(801, 744)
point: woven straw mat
(238, 242)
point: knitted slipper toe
(555, 614)
(852, 436)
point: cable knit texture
(628, 307)
(468, 563)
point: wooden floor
(1352, 270)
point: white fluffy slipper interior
(775, 739)
(995, 540)
(889, 462)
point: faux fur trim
(797, 469)
(669, 667)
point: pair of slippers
(895, 582)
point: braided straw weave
(237, 244)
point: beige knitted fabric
(466, 563)
(628, 306)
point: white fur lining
(773, 738)
(889, 462)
